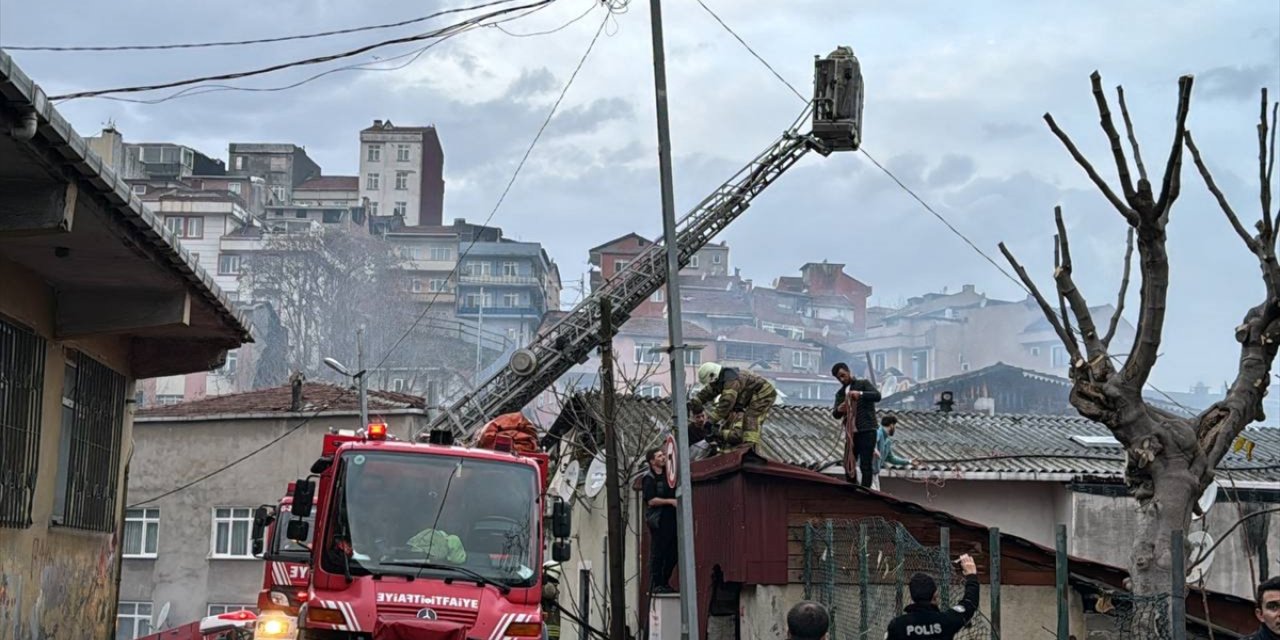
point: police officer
(923, 620)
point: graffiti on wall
(66, 590)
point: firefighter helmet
(708, 373)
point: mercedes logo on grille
(426, 614)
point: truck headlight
(279, 599)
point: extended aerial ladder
(837, 126)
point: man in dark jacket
(856, 408)
(924, 621)
(660, 517)
(1268, 611)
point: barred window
(21, 393)
(89, 450)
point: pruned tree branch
(1084, 163)
(1124, 288)
(1067, 340)
(1212, 185)
(1171, 186)
(1062, 298)
(1067, 287)
(1133, 142)
(1113, 136)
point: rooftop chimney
(968, 288)
(377, 124)
(295, 400)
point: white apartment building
(402, 172)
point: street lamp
(359, 378)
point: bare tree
(1170, 459)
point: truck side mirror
(561, 520)
(262, 517)
(560, 551)
(304, 493)
(298, 530)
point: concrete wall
(1103, 530)
(57, 582)
(183, 573)
(590, 542)
(1029, 510)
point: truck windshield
(289, 549)
(394, 510)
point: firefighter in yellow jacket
(736, 391)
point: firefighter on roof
(735, 391)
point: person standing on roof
(735, 391)
(923, 620)
(856, 408)
(884, 450)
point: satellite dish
(595, 476)
(569, 480)
(1206, 500)
(1201, 543)
(162, 617)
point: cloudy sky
(955, 94)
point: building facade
(96, 294)
(281, 166)
(506, 286)
(191, 550)
(402, 172)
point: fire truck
(233, 625)
(285, 569)
(423, 539)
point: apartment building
(402, 173)
(281, 166)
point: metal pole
(995, 583)
(898, 570)
(479, 330)
(613, 493)
(364, 386)
(864, 582)
(1064, 627)
(584, 598)
(944, 589)
(684, 516)
(1178, 590)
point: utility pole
(479, 329)
(613, 493)
(684, 514)
(364, 385)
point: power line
(308, 61)
(235, 43)
(547, 32)
(413, 56)
(753, 52)
(235, 462)
(475, 236)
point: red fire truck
(424, 540)
(233, 625)
(286, 562)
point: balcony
(465, 310)
(466, 278)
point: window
(279, 193)
(510, 269)
(139, 189)
(1035, 352)
(89, 450)
(169, 398)
(229, 264)
(228, 368)
(186, 227)
(300, 213)
(439, 254)
(693, 261)
(415, 285)
(438, 284)
(375, 155)
(692, 358)
(511, 300)
(619, 265)
(477, 300)
(133, 620)
(239, 163)
(644, 355)
(397, 384)
(219, 609)
(658, 296)
(1060, 356)
(402, 209)
(372, 182)
(920, 365)
(21, 394)
(715, 259)
(879, 360)
(373, 208)
(649, 391)
(479, 269)
(402, 153)
(402, 180)
(141, 532)
(231, 530)
(233, 187)
(331, 216)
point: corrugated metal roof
(810, 437)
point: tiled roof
(950, 443)
(644, 326)
(330, 183)
(716, 303)
(315, 396)
(750, 334)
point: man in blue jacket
(884, 450)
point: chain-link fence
(859, 569)
(1123, 616)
